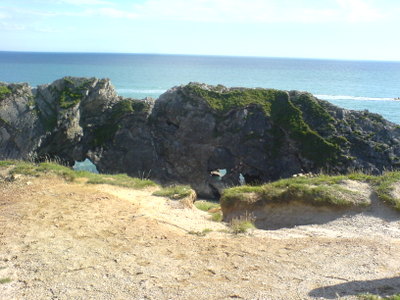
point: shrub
(242, 224)
(217, 216)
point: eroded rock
(192, 132)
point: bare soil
(63, 240)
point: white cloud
(359, 11)
(257, 11)
(86, 2)
(46, 29)
(204, 10)
(108, 12)
(3, 15)
(218, 11)
(112, 13)
(12, 26)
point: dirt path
(75, 241)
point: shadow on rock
(381, 287)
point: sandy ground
(73, 241)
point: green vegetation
(224, 101)
(311, 107)
(72, 94)
(117, 179)
(175, 192)
(217, 216)
(125, 107)
(242, 224)
(290, 118)
(384, 187)
(4, 92)
(68, 97)
(287, 117)
(206, 205)
(5, 280)
(3, 122)
(50, 122)
(213, 208)
(319, 190)
(7, 163)
(31, 169)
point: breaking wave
(341, 97)
(135, 91)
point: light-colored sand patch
(168, 211)
(396, 190)
(76, 241)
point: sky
(336, 29)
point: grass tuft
(318, 190)
(213, 208)
(385, 187)
(217, 216)
(205, 205)
(242, 224)
(175, 192)
(5, 280)
(7, 163)
(31, 169)
(117, 179)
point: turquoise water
(351, 84)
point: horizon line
(203, 55)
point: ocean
(359, 85)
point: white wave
(342, 97)
(140, 91)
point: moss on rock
(222, 100)
(72, 93)
(286, 115)
(121, 109)
(4, 92)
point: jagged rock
(191, 132)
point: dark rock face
(192, 131)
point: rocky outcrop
(191, 132)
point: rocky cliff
(191, 132)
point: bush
(242, 224)
(217, 216)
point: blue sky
(339, 29)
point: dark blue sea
(359, 85)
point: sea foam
(342, 97)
